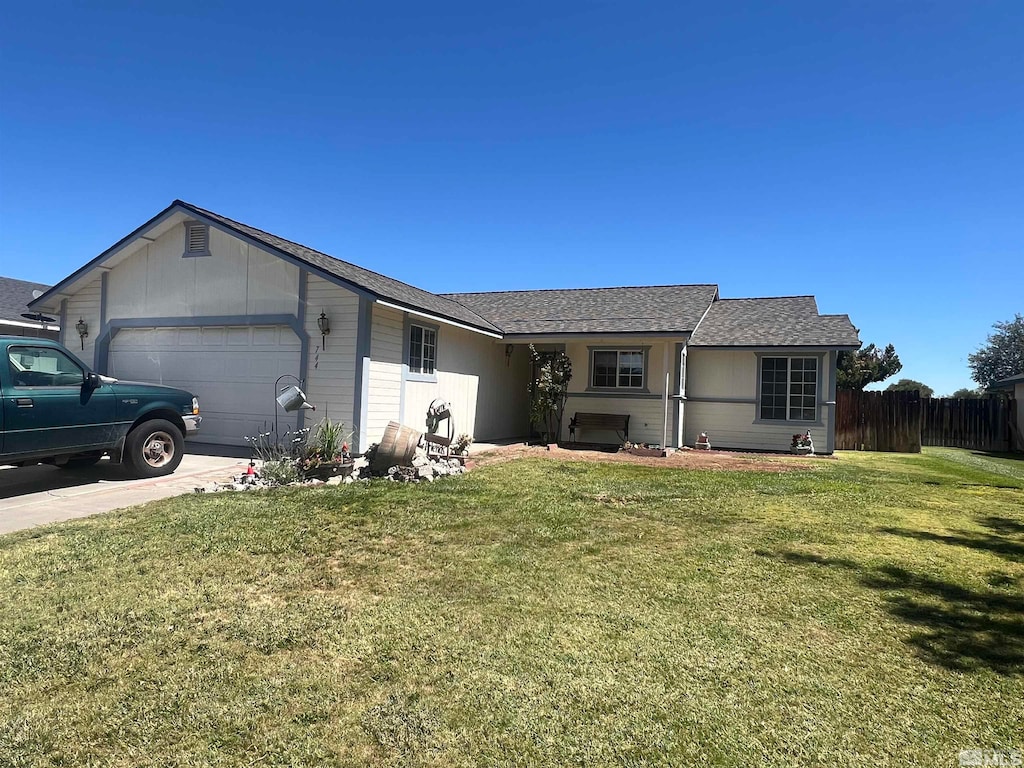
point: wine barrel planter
(397, 447)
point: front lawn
(869, 611)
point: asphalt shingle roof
(641, 309)
(373, 282)
(15, 296)
(782, 321)
(1008, 383)
(785, 321)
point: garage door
(231, 369)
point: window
(43, 367)
(422, 349)
(618, 368)
(197, 239)
(789, 388)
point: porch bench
(610, 421)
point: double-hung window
(789, 388)
(422, 349)
(617, 368)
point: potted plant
(802, 444)
(460, 447)
(326, 454)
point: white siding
(647, 415)
(489, 397)
(85, 304)
(331, 372)
(721, 373)
(731, 425)
(1019, 397)
(732, 375)
(385, 384)
(646, 418)
(237, 279)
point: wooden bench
(611, 421)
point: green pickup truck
(56, 411)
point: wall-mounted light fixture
(324, 324)
(83, 330)
(509, 348)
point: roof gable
(782, 321)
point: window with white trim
(789, 389)
(197, 239)
(617, 368)
(422, 349)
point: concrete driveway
(31, 496)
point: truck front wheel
(154, 448)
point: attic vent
(197, 239)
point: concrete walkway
(31, 496)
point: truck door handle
(23, 402)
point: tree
(549, 391)
(909, 385)
(855, 370)
(964, 393)
(1002, 356)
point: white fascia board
(437, 319)
(39, 326)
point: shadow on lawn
(958, 628)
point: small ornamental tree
(549, 391)
(855, 370)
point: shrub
(280, 471)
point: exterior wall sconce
(83, 330)
(324, 324)
(509, 348)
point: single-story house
(1015, 386)
(16, 319)
(194, 299)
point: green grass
(868, 612)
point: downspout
(681, 436)
(665, 396)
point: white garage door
(231, 369)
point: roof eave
(839, 347)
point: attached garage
(232, 370)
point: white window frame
(789, 358)
(425, 330)
(592, 352)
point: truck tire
(154, 448)
(81, 462)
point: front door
(49, 408)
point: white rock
(336, 480)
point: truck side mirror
(92, 380)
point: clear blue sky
(870, 153)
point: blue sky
(870, 153)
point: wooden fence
(903, 422)
(979, 423)
(878, 421)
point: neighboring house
(1015, 386)
(194, 299)
(16, 319)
